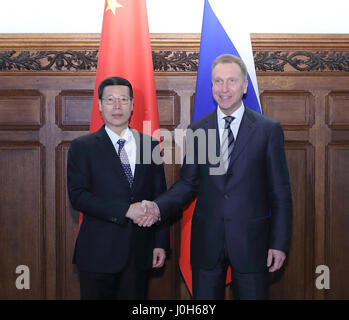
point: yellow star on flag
(112, 5)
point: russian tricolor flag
(221, 34)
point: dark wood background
(46, 89)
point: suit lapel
(212, 123)
(108, 152)
(246, 130)
(138, 168)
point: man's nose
(117, 104)
(225, 86)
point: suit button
(226, 197)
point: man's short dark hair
(114, 81)
(229, 58)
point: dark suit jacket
(249, 207)
(98, 188)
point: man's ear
(245, 86)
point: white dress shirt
(234, 126)
(130, 145)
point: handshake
(144, 213)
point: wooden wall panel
(67, 281)
(21, 109)
(22, 217)
(337, 111)
(73, 109)
(337, 190)
(328, 109)
(291, 108)
(168, 103)
(295, 279)
(337, 220)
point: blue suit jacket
(98, 188)
(249, 207)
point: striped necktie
(124, 160)
(228, 141)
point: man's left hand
(276, 259)
(159, 256)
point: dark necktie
(124, 160)
(229, 145)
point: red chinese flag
(125, 51)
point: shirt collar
(114, 137)
(237, 114)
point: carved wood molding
(48, 60)
(301, 61)
(172, 53)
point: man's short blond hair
(229, 58)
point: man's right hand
(135, 211)
(142, 215)
(152, 214)
(151, 208)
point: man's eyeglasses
(111, 100)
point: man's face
(228, 86)
(116, 107)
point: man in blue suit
(243, 213)
(107, 178)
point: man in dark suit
(106, 178)
(243, 213)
